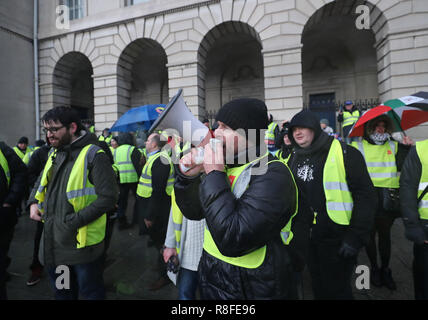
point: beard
(61, 141)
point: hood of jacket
(305, 119)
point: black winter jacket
(311, 190)
(37, 163)
(240, 226)
(18, 177)
(416, 228)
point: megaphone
(176, 119)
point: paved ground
(130, 270)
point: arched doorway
(73, 84)
(232, 64)
(339, 59)
(142, 75)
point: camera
(173, 264)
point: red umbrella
(358, 128)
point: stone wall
(185, 34)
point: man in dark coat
(247, 199)
(414, 207)
(343, 207)
(36, 164)
(72, 195)
(13, 183)
(154, 203)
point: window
(132, 2)
(76, 8)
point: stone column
(189, 76)
(283, 81)
(106, 101)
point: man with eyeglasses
(72, 195)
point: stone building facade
(121, 53)
(17, 112)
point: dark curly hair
(64, 115)
(370, 126)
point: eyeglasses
(52, 129)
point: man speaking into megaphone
(248, 200)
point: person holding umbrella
(384, 158)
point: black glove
(415, 234)
(346, 251)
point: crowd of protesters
(224, 228)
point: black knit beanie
(23, 140)
(244, 113)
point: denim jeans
(85, 279)
(187, 284)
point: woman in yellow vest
(414, 207)
(247, 198)
(384, 157)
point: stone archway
(142, 76)
(231, 64)
(73, 84)
(339, 58)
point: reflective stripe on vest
(5, 166)
(339, 203)
(380, 161)
(144, 188)
(422, 151)
(80, 193)
(350, 118)
(270, 132)
(122, 160)
(255, 258)
(177, 220)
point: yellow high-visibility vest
(177, 219)
(5, 166)
(144, 188)
(349, 118)
(422, 151)
(380, 161)
(122, 160)
(80, 193)
(20, 153)
(270, 132)
(339, 202)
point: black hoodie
(307, 165)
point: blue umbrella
(139, 118)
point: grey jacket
(61, 223)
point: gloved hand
(415, 234)
(346, 251)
